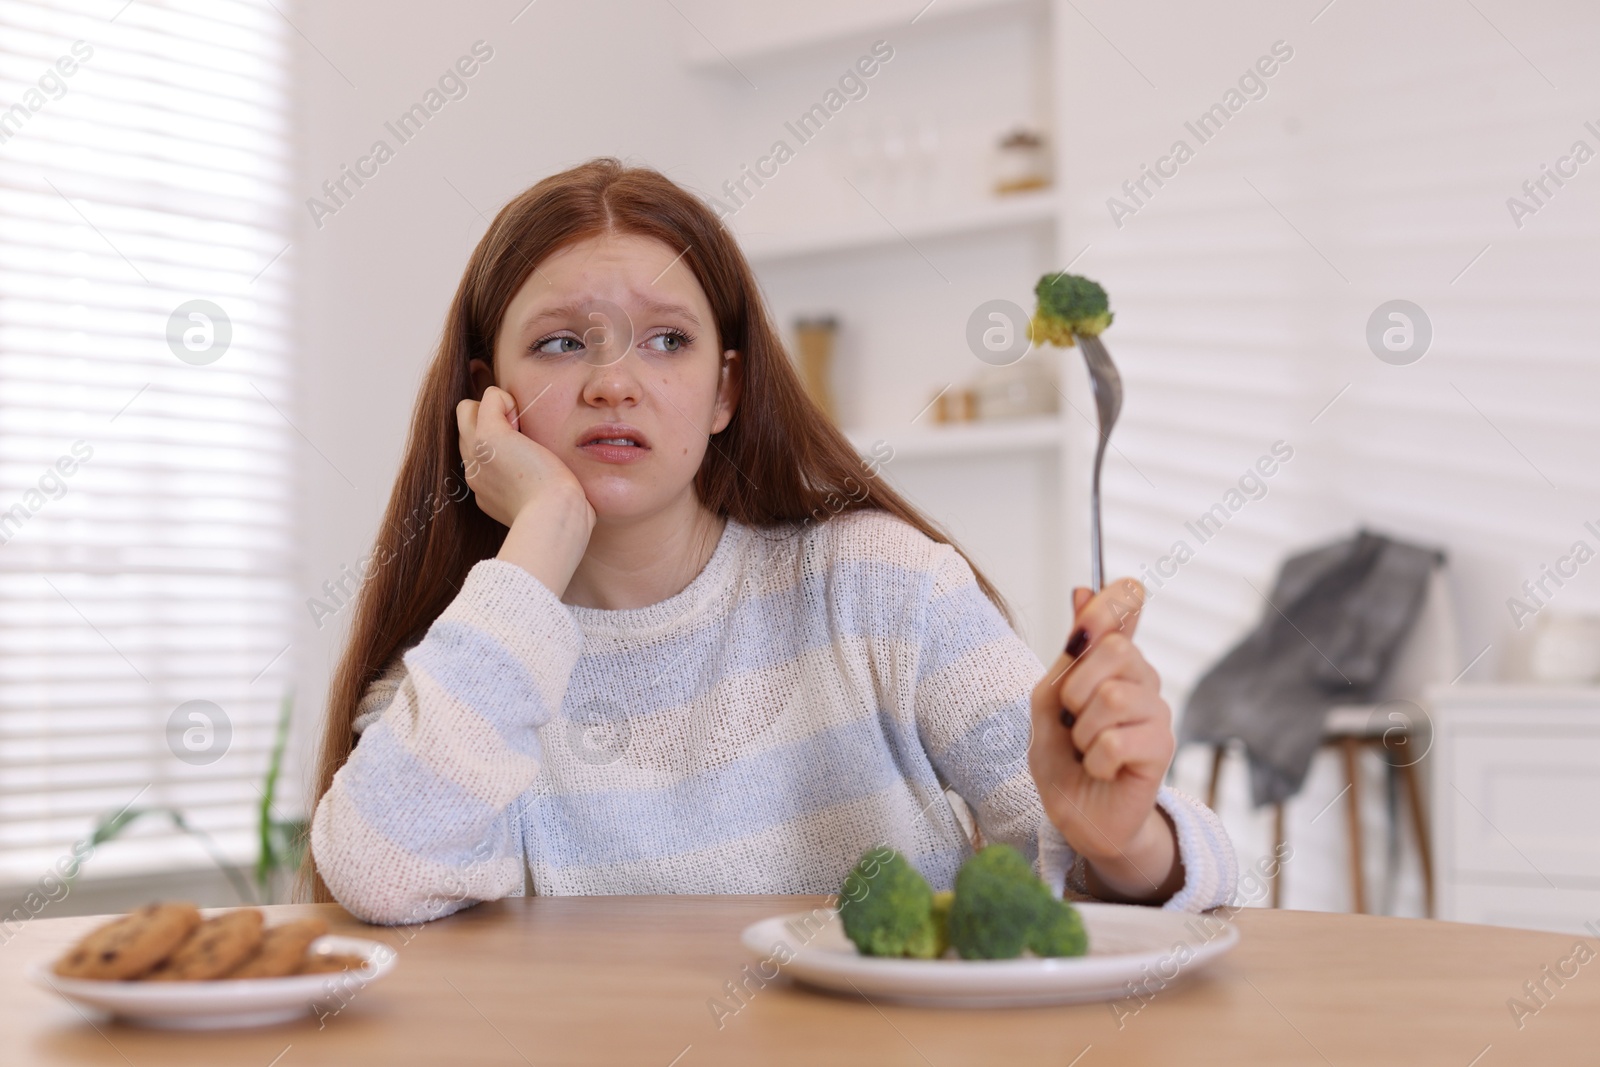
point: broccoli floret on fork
(1070, 306)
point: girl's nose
(613, 379)
(607, 342)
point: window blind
(146, 447)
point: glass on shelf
(925, 160)
(1018, 390)
(894, 161)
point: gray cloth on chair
(1336, 616)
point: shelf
(749, 36)
(961, 440)
(1021, 209)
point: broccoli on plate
(998, 909)
(887, 907)
(1060, 932)
(1001, 908)
(941, 921)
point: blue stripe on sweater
(766, 633)
(958, 622)
(737, 800)
(993, 751)
(413, 807)
(482, 674)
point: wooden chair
(1395, 725)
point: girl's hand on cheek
(507, 470)
(523, 485)
(1098, 780)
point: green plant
(110, 827)
(280, 842)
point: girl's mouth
(614, 443)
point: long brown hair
(781, 460)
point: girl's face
(612, 340)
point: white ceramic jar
(1566, 649)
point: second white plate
(1147, 947)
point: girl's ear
(730, 381)
(482, 378)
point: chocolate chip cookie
(282, 950)
(130, 946)
(215, 947)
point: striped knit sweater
(810, 694)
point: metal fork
(1107, 385)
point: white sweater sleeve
(423, 819)
(1210, 864)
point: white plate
(1130, 948)
(222, 1004)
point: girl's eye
(557, 346)
(671, 341)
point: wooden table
(628, 980)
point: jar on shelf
(955, 404)
(1022, 162)
(814, 340)
(1566, 649)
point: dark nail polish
(1077, 642)
(1068, 719)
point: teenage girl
(679, 639)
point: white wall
(1390, 142)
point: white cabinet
(1515, 775)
